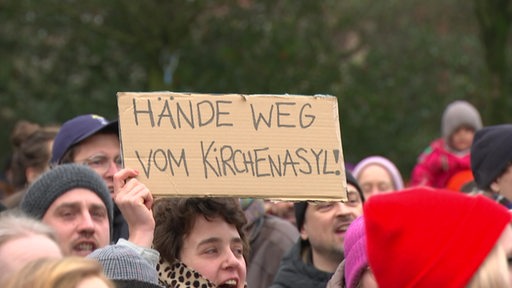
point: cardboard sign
(281, 147)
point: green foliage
(394, 65)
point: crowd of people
(74, 216)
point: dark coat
(294, 272)
(120, 226)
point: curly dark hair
(31, 151)
(175, 218)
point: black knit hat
(491, 152)
(300, 207)
(59, 180)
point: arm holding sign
(135, 201)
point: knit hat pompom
(355, 252)
(418, 237)
(459, 113)
(59, 180)
(491, 153)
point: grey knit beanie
(125, 266)
(459, 113)
(59, 180)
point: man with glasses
(312, 261)
(93, 141)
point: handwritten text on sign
(268, 146)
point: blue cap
(78, 129)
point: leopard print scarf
(178, 275)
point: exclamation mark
(336, 153)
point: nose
(112, 168)
(342, 209)
(86, 223)
(375, 190)
(230, 261)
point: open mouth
(341, 228)
(232, 283)
(84, 248)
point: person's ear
(303, 234)
(31, 174)
(495, 187)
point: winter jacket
(437, 164)
(120, 226)
(270, 238)
(294, 272)
(338, 278)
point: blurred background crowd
(394, 65)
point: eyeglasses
(101, 163)
(353, 200)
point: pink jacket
(436, 165)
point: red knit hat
(422, 237)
